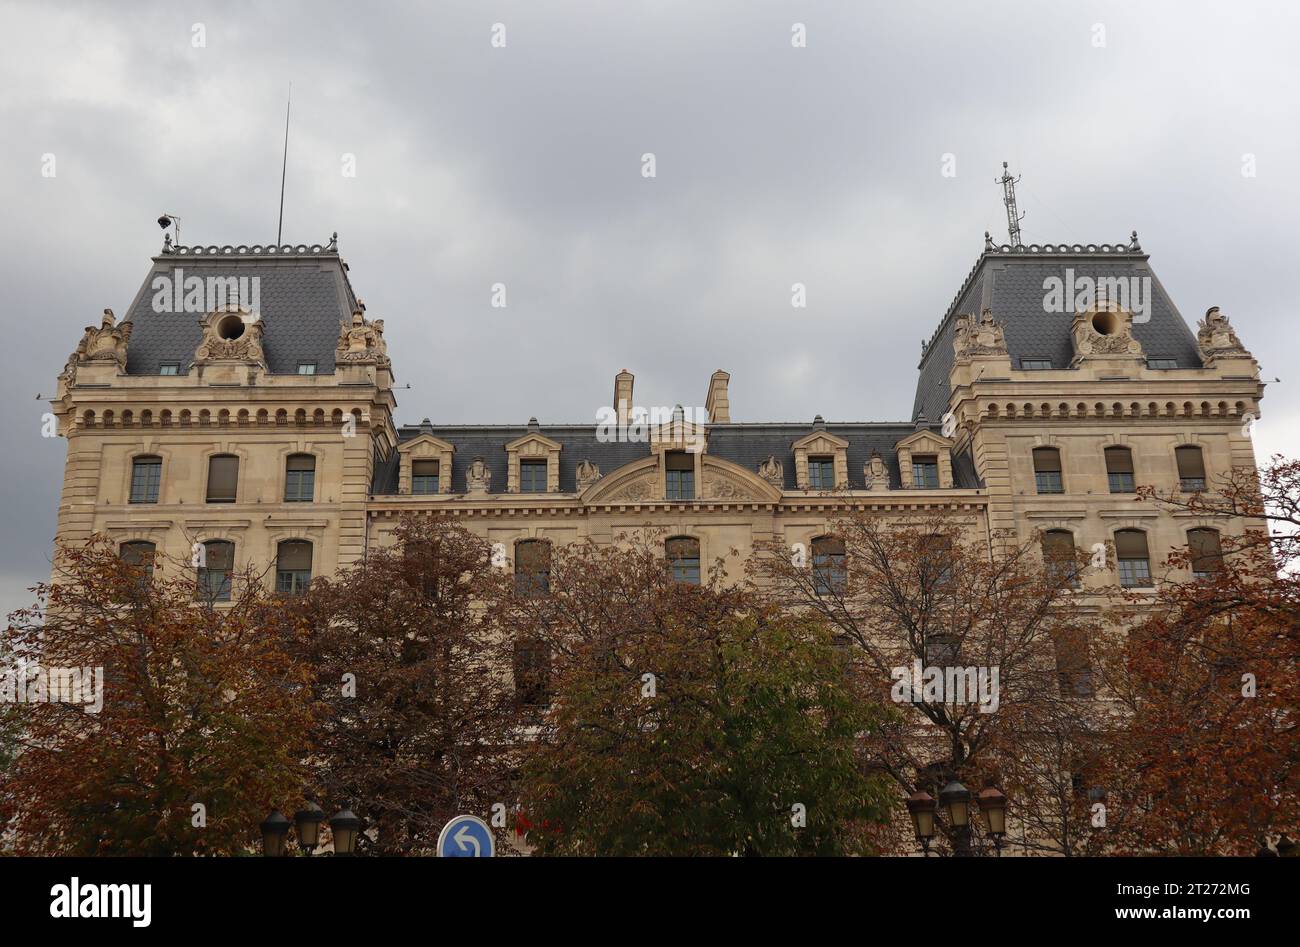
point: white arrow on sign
(461, 837)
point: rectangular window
(1059, 557)
(532, 672)
(1047, 470)
(424, 476)
(1206, 552)
(684, 559)
(821, 473)
(223, 478)
(214, 573)
(680, 476)
(1119, 470)
(1191, 468)
(146, 475)
(532, 476)
(293, 567)
(925, 473)
(1035, 364)
(1162, 364)
(306, 368)
(168, 368)
(300, 479)
(1073, 666)
(1134, 562)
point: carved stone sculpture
(105, 342)
(984, 337)
(230, 334)
(1216, 337)
(588, 473)
(478, 479)
(361, 341)
(772, 471)
(874, 473)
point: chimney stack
(623, 396)
(716, 402)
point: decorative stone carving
(639, 489)
(233, 333)
(1216, 337)
(982, 337)
(772, 471)
(107, 342)
(588, 473)
(1104, 331)
(361, 341)
(478, 479)
(874, 473)
(721, 488)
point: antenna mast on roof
(279, 229)
(1009, 198)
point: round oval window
(1106, 323)
(231, 327)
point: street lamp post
(920, 805)
(307, 821)
(274, 830)
(993, 807)
(955, 799)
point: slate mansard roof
(1009, 281)
(746, 445)
(304, 295)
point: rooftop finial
(1009, 198)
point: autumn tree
(1207, 760)
(412, 684)
(201, 720)
(687, 719)
(929, 602)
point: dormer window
(679, 471)
(532, 476)
(821, 473)
(424, 476)
(1035, 364)
(1162, 364)
(925, 472)
(169, 368)
(306, 368)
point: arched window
(1047, 470)
(299, 478)
(216, 563)
(1119, 469)
(223, 478)
(146, 475)
(1206, 552)
(1059, 556)
(829, 575)
(532, 672)
(532, 567)
(293, 566)
(140, 554)
(683, 554)
(1191, 468)
(1134, 559)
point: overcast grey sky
(522, 165)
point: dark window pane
(532, 567)
(1073, 666)
(925, 473)
(1191, 468)
(223, 478)
(532, 672)
(139, 554)
(146, 475)
(424, 476)
(214, 573)
(1134, 560)
(532, 476)
(684, 559)
(300, 478)
(821, 473)
(1119, 470)
(1206, 552)
(1035, 364)
(680, 476)
(829, 575)
(1162, 364)
(1047, 470)
(293, 567)
(1059, 556)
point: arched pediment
(642, 481)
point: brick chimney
(716, 403)
(623, 396)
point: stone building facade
(243, 412)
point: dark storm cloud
(521, 166)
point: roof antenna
(284, 165)
(1009, 198)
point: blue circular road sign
(466, 836)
